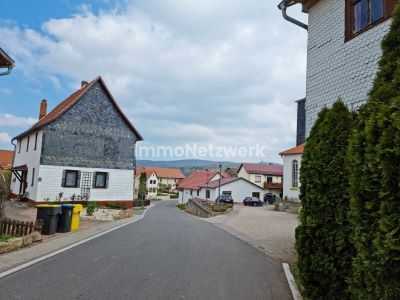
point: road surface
(167, 255)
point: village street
(167, 255)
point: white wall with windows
(259, 179)
(111, 184)
(291, 176)
(27, 152)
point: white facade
(239, 189)
(336, 68)
(291, 190)
(152, 185)
(259, 179)
(28, 155)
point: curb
(292, 283)
(49, 255)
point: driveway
(167, 255)
(270, 231)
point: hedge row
(349, 238)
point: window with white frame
(100, 180)
(258, 178)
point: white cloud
(207, 71)
(8, 120)
(5, 140)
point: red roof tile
(173, 173)
(197, 179)
(65, 105)
(6, 158)
(5, 60)
(295, 150)
(263, 168)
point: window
(36, 136)
(269, 179)
(227, 193)
(19, 146)
(191, 192)
(71, 179)
(100, 180)
(255, 195)
(198, 192)
(33, 177)
(362, 15)
(295, 174)
(27, 144)
(207, 194)
(258, 179)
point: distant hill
(187, 165)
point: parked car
(252, 201)
(269, 198)
(225, 199)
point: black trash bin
(49, 215)
(64, 221)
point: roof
(216, 183)
(263, 168)
(68, 103)
(293, 151)
(5, 60)
(173, 173)
(197, 179)
(6, 158)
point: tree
(374, 156)
(142, 187)
(5, 181)
(323, 236)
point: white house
(291, 172)
(157, 177)
(344, 47)
(83, 150)
(265, 175)
(209, 185)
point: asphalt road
(167, 255)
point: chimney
(43, 108)
(84, 83)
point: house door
(23, 183)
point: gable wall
(335, 68)
(91, 134)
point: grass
(5, 238)
(181, 206)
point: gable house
(83, 150)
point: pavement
(270, 231)
(166, 255)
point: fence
(18, 228)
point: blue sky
(204, 73)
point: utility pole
(219, 183)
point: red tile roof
(173, 173)
(6, 158)
(197, 179)
(293, 151)
(263, 168)
(215, 183)
(65, 105)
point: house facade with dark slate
(83, 150)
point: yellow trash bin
(76, 217)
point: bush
(375, 158)
(91, 208)
(323, 236)
(181, 206)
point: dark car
(225, 199)
(269, 198)
(252, 201)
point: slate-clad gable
(90, 134)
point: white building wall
(263, 178)
(292, 193)
(240, 189)
(120, 184)
(335, 68)
(31, 158)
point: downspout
(283, 6)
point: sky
(188, 74)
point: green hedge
(323, 238)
